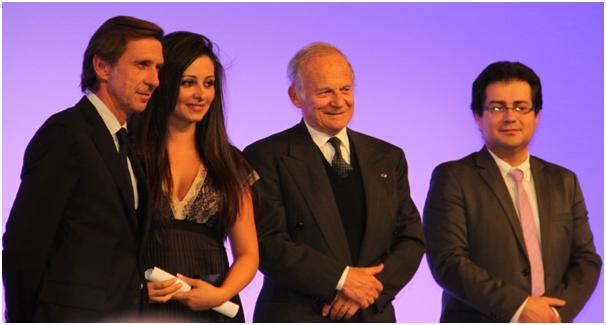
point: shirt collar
(505, 167)
(321, 138)
(110, 120)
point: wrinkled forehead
(325, 65)
(143, 47)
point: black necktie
(124, 151)
(123, 146)
(338, 164)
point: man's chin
(140, 107)
(334, 130)
(512, 146)
(336, 127)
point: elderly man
(71, 246)
(338, 232)
(508, 236)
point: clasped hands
(360, 290)
(540, 310)
(202, 296)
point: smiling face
(324, 92)
(508, 133)
(196, 93)
(127, 86)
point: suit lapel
(142, 218)
(370, 169)
(305, 165)
(489, 171)
(542, 186)
(105, 145)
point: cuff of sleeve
(555, 311)
(342, 279)
(516, 316)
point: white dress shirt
(528, 183)
(321, 140)
(113, 126)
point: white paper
(158, 274)
(228, 308)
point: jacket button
(525, 272)
(300, 225)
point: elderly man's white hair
(313, 49)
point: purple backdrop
(414, 66)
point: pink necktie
(531, 240)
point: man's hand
(361, 286)
(538, 310)
(341, 307)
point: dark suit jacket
(476, 249)
(72, 239)
(303, 246)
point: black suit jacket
(72, 238)
(303, 246)
(476, 248)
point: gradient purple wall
(414, 66)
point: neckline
(178, 205)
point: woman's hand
(203, 295)
(162, 291)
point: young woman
(199, 187)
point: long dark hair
(224, 163)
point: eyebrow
(143, 61)
(319, 89)
(505, 103)
(195, 77)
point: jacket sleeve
(583, 272)
(48, 177)
(408, 241)
(289, 263)
(448, 252)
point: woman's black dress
(188, 244)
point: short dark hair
(109, 43)
(505, 71)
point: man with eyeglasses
(507, 233)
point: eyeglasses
(499, 109)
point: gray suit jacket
(303, 245)
(476, 249)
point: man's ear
(102, 68)
(477, 118)
(294, 97)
